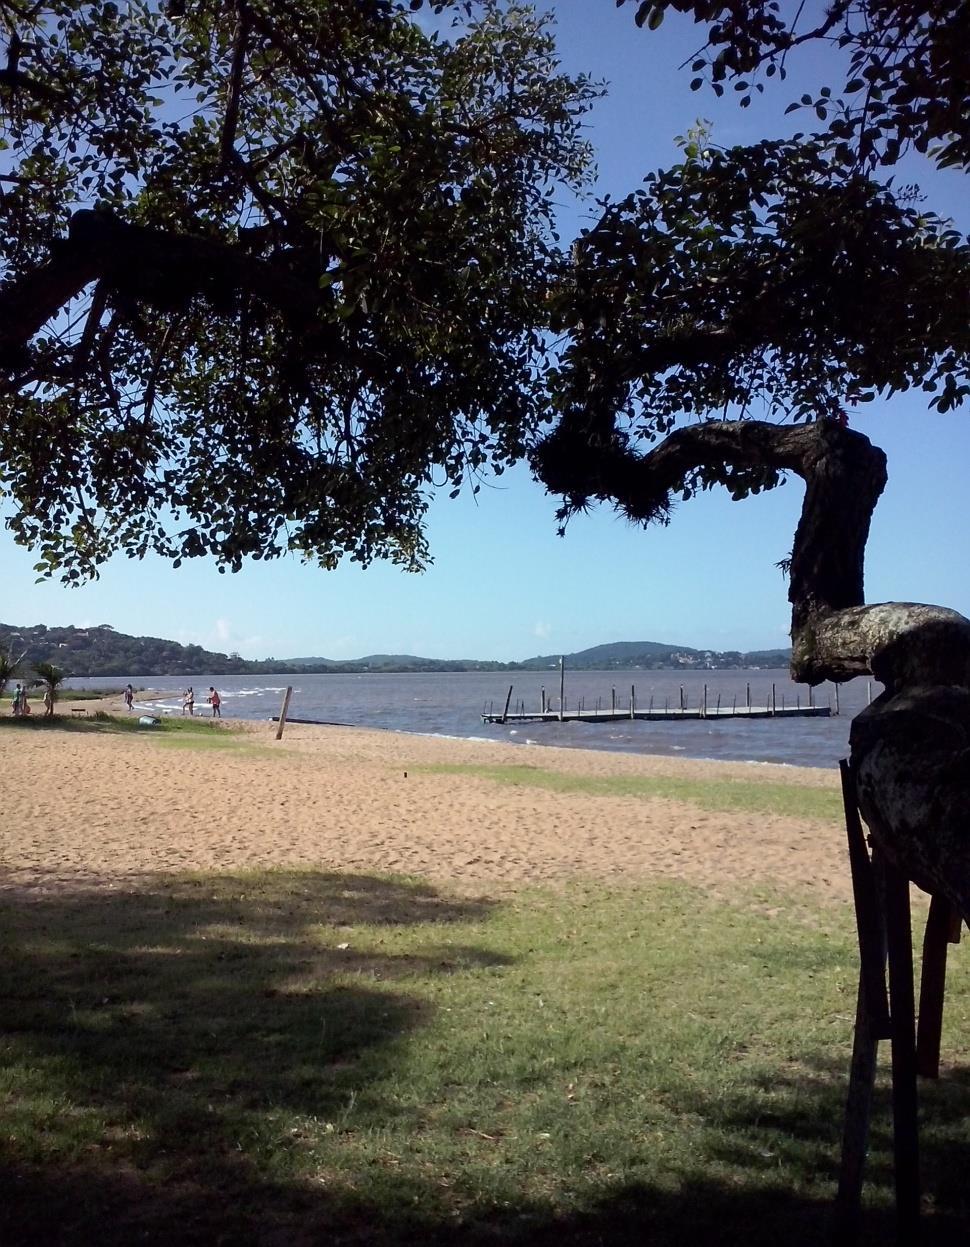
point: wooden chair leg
(902, 1007)
(932, 985)
(869, 910)
(855, 1128)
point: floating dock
(655, 715)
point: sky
(503, 585)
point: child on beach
(188, 701)
(129, 697)
(215, 701)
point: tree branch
(162, 269)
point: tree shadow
(174, 1018)
(169, 1031)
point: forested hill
(101, 651)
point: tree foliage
(781, 279)
(269, 269)
(906, 67)
(758, 280)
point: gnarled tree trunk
(910, 749)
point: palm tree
(9, 667)
(52, 678)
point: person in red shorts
(215, 701)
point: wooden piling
(562, 686)
(633, 701)
(283, 709)
(505, 712)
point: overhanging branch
(160, 268)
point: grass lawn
(762, 796)
(187, 733)
(306, 1058)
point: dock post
(747, 695)
(682, 697)
(772, 699)
(868, 692)
(562, 686)
(505, 712)
(633, 701)
(705, 701)
(543, 701)
(719, 703)
(836, 699)
(613, 699)
(283, 709)
(650, 708)
(811, 701)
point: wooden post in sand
(283, 709)
(562, 686)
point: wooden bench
(79, 710)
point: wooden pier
(706, 708)
(655, 715)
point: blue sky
(503, 585)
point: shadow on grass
(153, 1039)
(169, 1040)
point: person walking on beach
(215, 701)
(18, 696)
(129, 697)
(188, 701)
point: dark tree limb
(162, 269)
(911, 748)
(844, 475)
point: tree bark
(910, 750)
(160, 268)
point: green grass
(179, 733)
(710, 794)
(68, 694)
(300, 1057)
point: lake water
(451, 704)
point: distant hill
(101, 651)
(656, 656)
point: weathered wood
(855, 1125)
(508, 698)
(283, 709)
(870, 923)
(932, 986)
(903, 1021)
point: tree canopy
(906, 78)
(269, 269)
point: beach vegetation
(302, 1056)
(51, 678)
(788, 800)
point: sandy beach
(96, 809)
